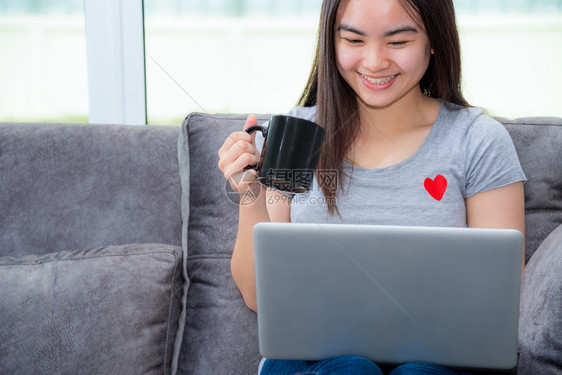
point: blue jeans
(346, 365)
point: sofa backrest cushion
(72, 186)
(220, 335)
(538, 142)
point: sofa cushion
(538, 143)
(221, 332)
(78, 186)
(540, 330)
(110, 310)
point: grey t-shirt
(465, 153)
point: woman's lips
(378, 83)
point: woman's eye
(397, 44)
(354, 41)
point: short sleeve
(491, 159)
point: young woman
(404, 145)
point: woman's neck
(400, 117)
(390, 135)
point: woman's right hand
(237, 152)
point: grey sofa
(101, 226)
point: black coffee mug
(290, 153)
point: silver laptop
(392, 294)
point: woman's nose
(376, 59)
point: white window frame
(116, 61)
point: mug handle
(250, 130)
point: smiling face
(381, 52)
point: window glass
(511, 55)
(255, 55)
(507, 6)
(226, 55)
(43, 66)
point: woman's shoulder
(471, 122)
(479, 138)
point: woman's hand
(239, 151)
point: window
(499, 7)
(511, 55)
(43, 61)
(255, 55)
(227, 56)
(249, 56)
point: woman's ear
(432, 52)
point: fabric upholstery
(221, 332)
(540, 327)
(109, 310)
(69, 186)
(538, 142)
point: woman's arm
(271, 206)
(503, 208)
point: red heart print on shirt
(436, 187)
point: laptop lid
(447, 296)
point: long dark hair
(337, 107)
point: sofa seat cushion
(109, 310)
(221, 332)
(540, 327)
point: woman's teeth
(378, 81)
